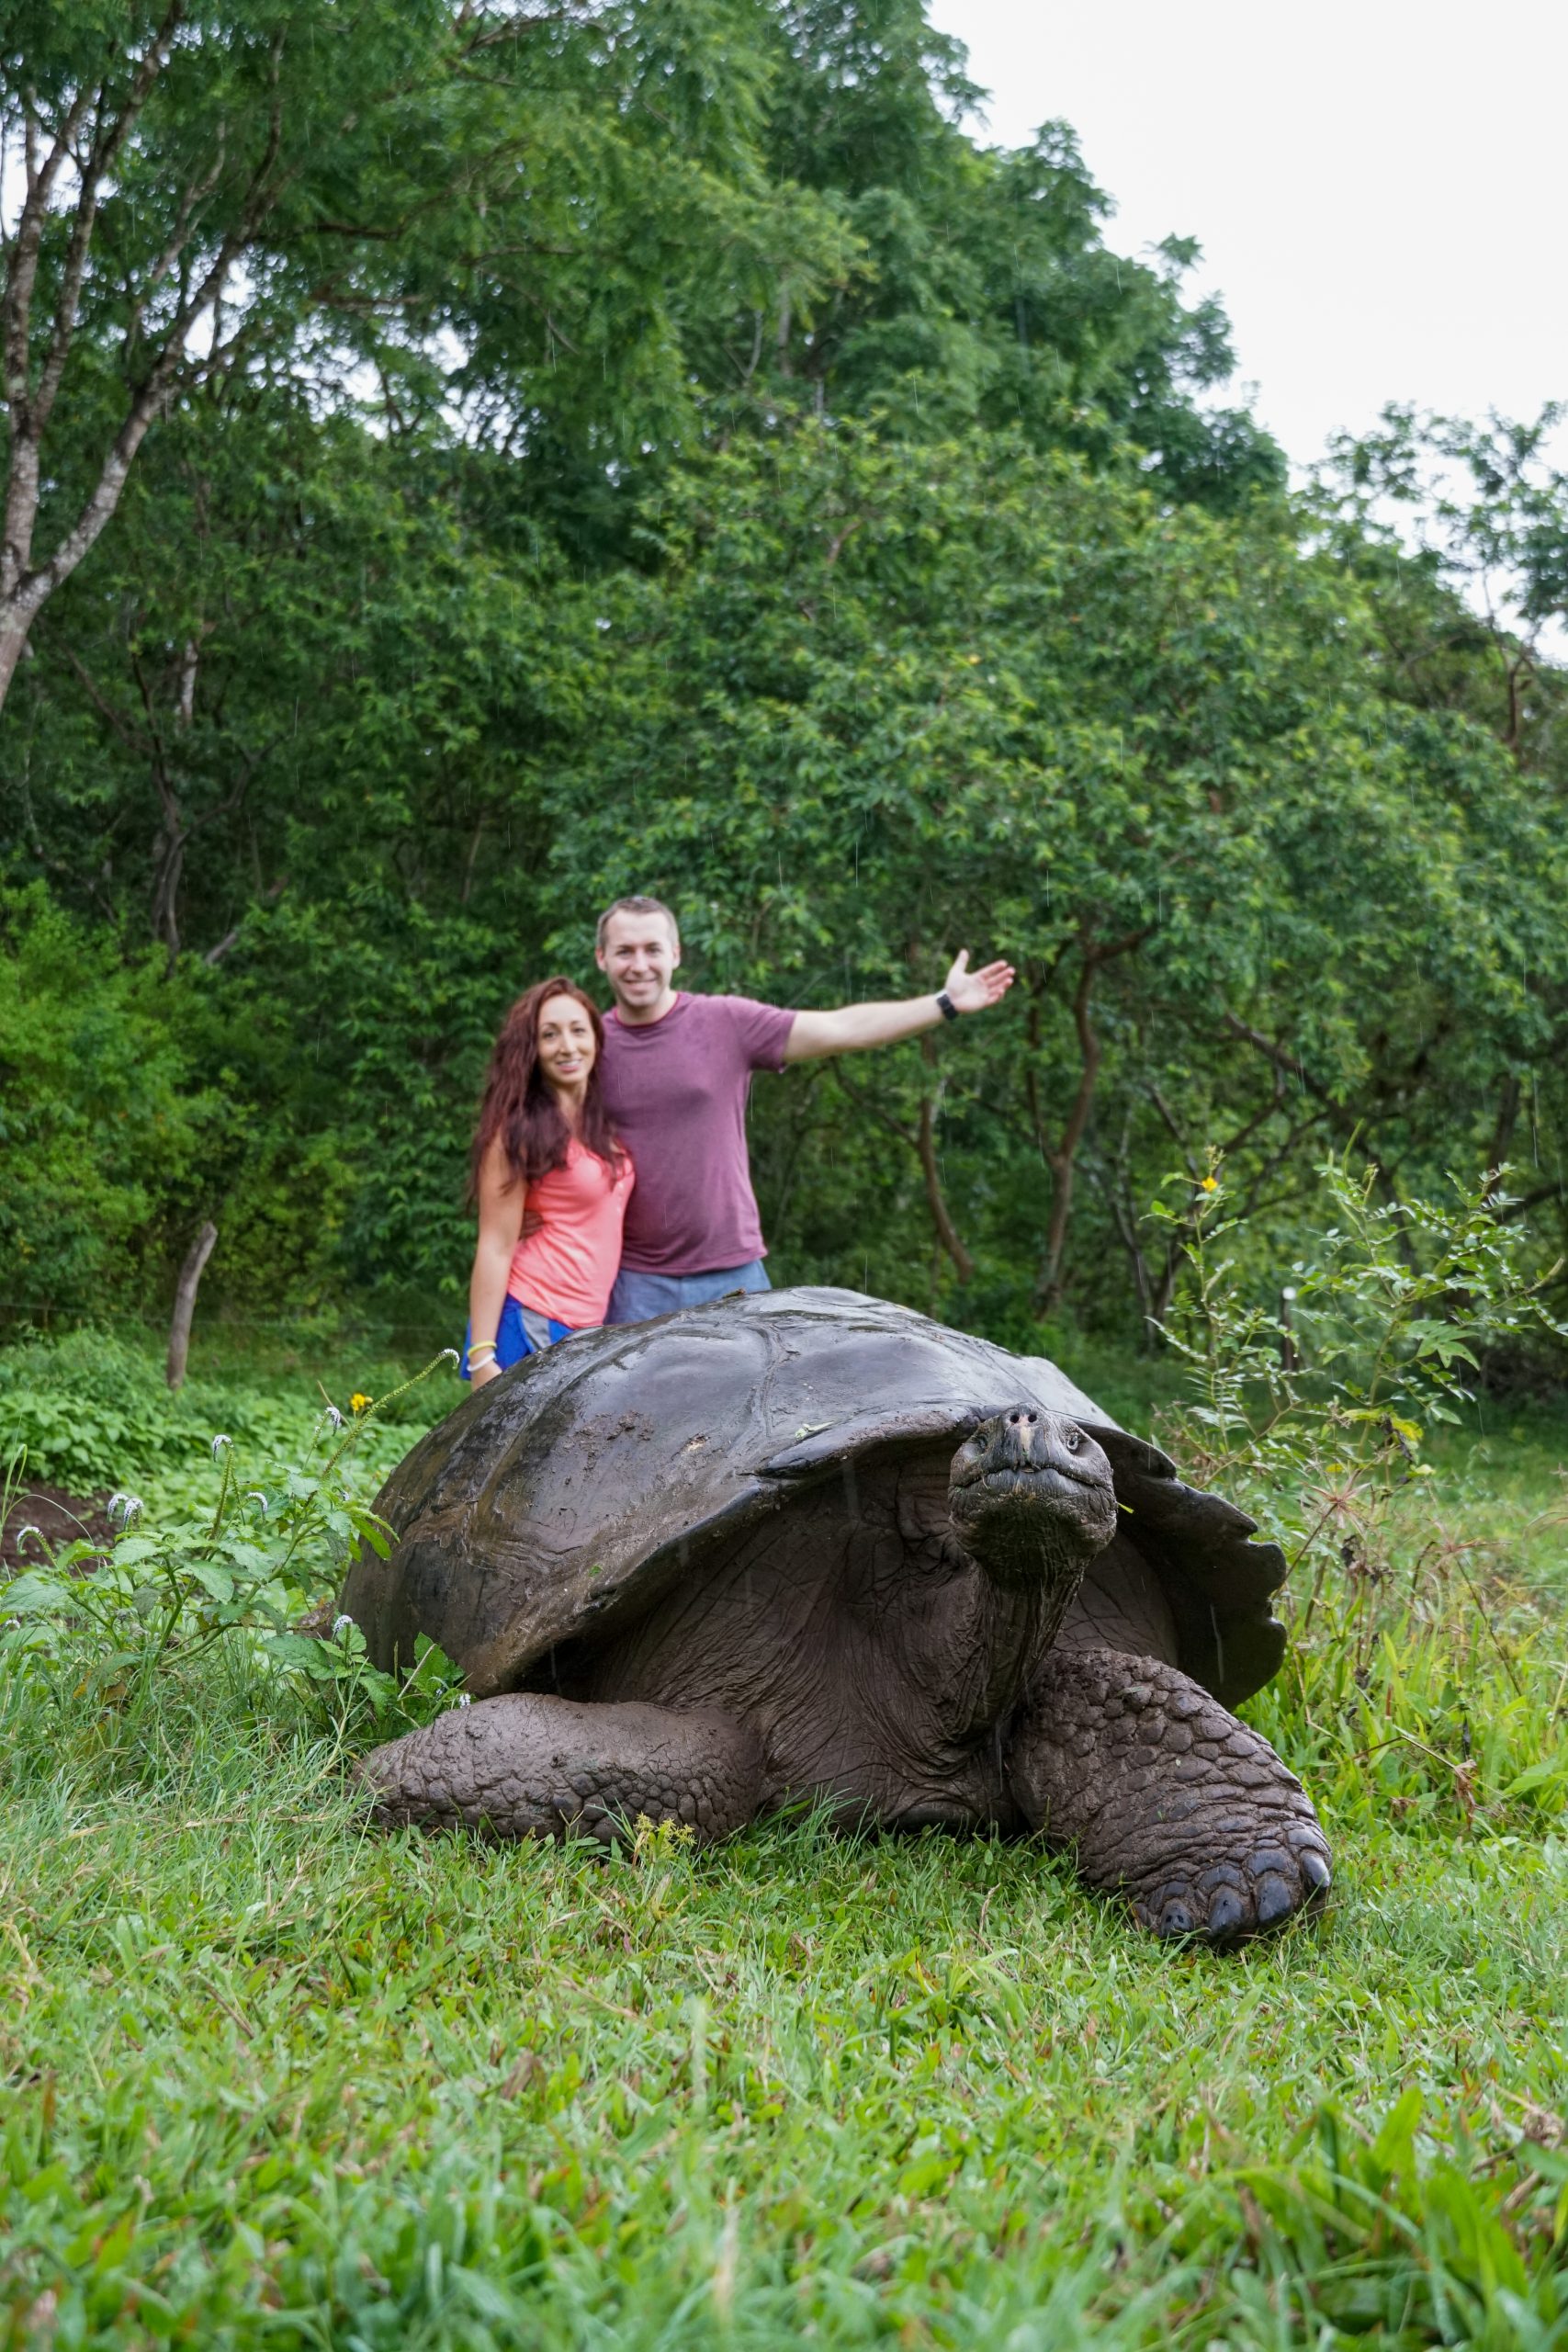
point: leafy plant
(1388, 2234)
(99, 1624)
(1404, 1662)
(1374, 1336)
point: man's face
(637, 958)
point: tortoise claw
(1274, 1899)
(1314, 1866)
(1176, 1917)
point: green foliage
(1375, 1334)
(91, 1410)
(879, 701)
(103, 1130)
(92, 1628)
(672, 453)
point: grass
(271, 2080)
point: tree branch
(1062, 1157)
(96, 166)
(1279, 1054)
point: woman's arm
(500, 1223)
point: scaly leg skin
(1167, 1798)
(523, 1766)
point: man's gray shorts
(637, 1298)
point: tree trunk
(191, 1272)
(921, 1140)
(1064, 1158)
(14, 627)
(1061, 1158)
(936, 1199)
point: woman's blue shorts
(522, 1331)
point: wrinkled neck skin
(1013, 1626)
(971, 1648)
(1027, 1553)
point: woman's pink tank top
(567, 1268)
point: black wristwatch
(946, 1005)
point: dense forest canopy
(465, 462)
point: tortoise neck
(995, 1635)
(1022, 1553)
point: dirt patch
(58, 1518)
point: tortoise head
(1031, 1500)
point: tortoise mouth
(1032, 1479)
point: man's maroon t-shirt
(676, 1089)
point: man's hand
(973, 991)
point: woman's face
(566, 1042)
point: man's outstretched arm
(854, 1026)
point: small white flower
(464, 1700)
(342, 1625)
(254, 1494)
(449, 1355)
(333, 1415)
(124, 1507)
(23, 1533)
(219, 1442)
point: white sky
(1379, 187)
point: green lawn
(271, 2080)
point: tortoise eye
(1075, 1439)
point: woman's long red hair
(519, 1107)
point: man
(677, 1069)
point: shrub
(98, 1624)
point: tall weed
(1419, 1680)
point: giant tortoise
(809, 1545)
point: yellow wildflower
(359, 1402)
(1209, 1185)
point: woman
(545, 1145)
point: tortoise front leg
(526, 1766)
(1166, 1797)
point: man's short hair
(637, 906)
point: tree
(505, 208)
(655, 444)
(987, 294)
(885, 700)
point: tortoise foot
(1167, 1798)
(528, 1766)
